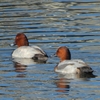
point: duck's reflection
(20, 69)
(64, 80)
(62, 85)
(25, 61)
(20, 65)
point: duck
(70, 66)
(26, 51)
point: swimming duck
(26, 51)
(67, 66)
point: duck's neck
(65, 58)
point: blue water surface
(49, 24)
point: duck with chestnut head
(26, 51)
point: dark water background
(49, 24)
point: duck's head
(63, 53)
(21, 40)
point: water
(49, 24)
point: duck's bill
(54, 55)
(12, 44)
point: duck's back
(72, 66)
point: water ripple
(49, 24)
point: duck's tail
(86, 72)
